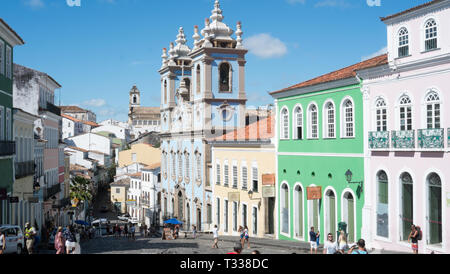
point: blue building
(202, 94)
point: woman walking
(414, 239)
(59, 241)
(342, 241)
(194, 231)
(246, 237)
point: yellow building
(119, 192)
(140, 153)
(243, 175)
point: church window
(198, 79)
(225, 77)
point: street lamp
(349, 176)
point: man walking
(30, 233)
(313, 240)
(216, 237)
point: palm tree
(79, 189)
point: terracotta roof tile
(411, 9)
(77, 148)
(341, 74)
(261, 130)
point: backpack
(419, 234)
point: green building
(8, 40)
(320, 155)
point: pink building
(407, 126)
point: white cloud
(265, 46)
(35, 4)
(375, 54)
(94, 103)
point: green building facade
(8, 40)
(320, 151)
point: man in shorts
(313, 240)
(216, 237)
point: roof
(97, 152)
(152, 166)
(89, 123)
(26, 71)
(74, 109)
(147, 110)
(12, 31)
(341, 74)
(262, 130)
(123, 182)
(411, 9)
(70, 118)
(77, 148)
(77, 167)
(136, 175)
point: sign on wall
(268, 191)
(314, 193)
(234, 196)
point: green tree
(79, 189)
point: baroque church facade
(202, 95)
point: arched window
(403, 42)
(405, 113)
(298, 123)
(313, 122)
(381, 115)
(187, 160)
(284, 131)
(329, 120)
(407, 205)
(298, 204)
(383, 205)
(225, 77)
(434, 215)
(284, 206)
(430, 35)
(134, 99)
(433, 103)
(199, 166)
(349, 121)
(180, 165)
(198, 79)
(187, 83)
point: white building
(71, 126)
(118, 131)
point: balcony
(379, 140)
(51, 108)
(404, 139)
(50, 192)
(24, 169)
(7, 148)
(431, 138)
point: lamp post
(349, 177)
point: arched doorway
(284, 208)
(382, 205)
(298, 218)
(199, 219)
(330, 205)
(180, 214)
(407, 205)
(349, 216)
(434, 215)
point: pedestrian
(246, 237)
(241, 235)
(125, 231)
(237, 248)
(342, 241)
(70, 239)
(318, 238)
(313, 240)
(30, 233)
(359, 248)
(414, 239)
(177, 231)
(77, 249)
(59, 241)
(216, 237)
(330, 247)
(2, 242)
(132, 232)
(194, 231)
(145, 231)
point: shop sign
(14, 200)
(268, 191)
(314, 193)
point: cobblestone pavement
(201, 245)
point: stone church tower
(135, 102)
(202, 91)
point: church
(202, 95)
(142, 120)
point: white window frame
(255, 175)
(405, 105)
(425, 39)
(2, 57)
(326, 120)
(344, 122)
(403, 41)
(244, 176)
(218, 173)
(226, 173)
(433, 104)
(296, 123)
(284, 124)
(235, 175)
(310, 122)
(381, 105)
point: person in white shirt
(330, 247)
(216, 237)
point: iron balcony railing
(404, 139)
(24, 169)
(431, 138)
(7, 148)
(379, 140)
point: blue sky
(99, 50)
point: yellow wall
(265, 159)
(145, 154)
(119, 197)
